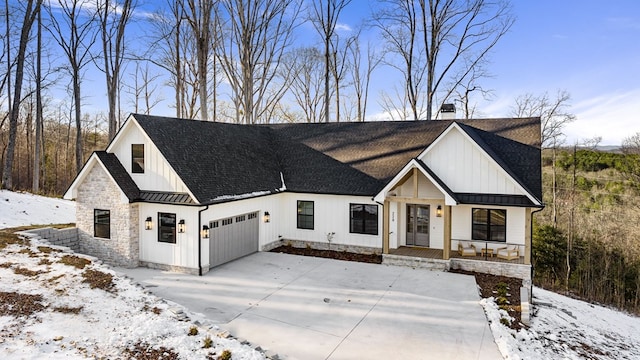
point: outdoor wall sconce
(205, 232)
(439, 211)
(181, 226)
(148, 224)
(267, 217)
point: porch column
(527, 237)
(385, 227)
(446, 252)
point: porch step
(415, 262)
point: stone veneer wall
(98, 191)
(321, 246)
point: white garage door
(233, 237)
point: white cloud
(343, 27)
(612, 116)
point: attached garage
(232, 238)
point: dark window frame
(167, 232)
(100, 228)
(137, 161)
(489, 224)
(361, 224)
(304, 219)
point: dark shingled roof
(119, 174)
(216, 159)
(220, 160)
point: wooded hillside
(586, 241)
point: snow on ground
(107, 323)
(74, 321)
(565, 328)
(48, 311)
(18, 209)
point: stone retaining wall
(61, 237)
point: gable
(466, 168)
(158, 174)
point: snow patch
(19, 209)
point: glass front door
(418, 225)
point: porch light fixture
(439, 211)
(267, 217)
(181, 226)
(205, 232)
(148, 224)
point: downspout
(200, 240)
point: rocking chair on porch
(467, 250)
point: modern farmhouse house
(190, 195)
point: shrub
(193, 331)
(207, 343)
(226, 355)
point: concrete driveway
(312, 308)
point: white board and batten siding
(331, 215)
(158, 174)
(465, 168)
(184, 253)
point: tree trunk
(37, 158)
(78, 114)
(29, 17)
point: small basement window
(137, 158)
(102, 223)
(167, 228)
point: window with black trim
(489, 224)
(167, 228)
(305, 214)
(102, 223)
(363, 219)
(137, 158)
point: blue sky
(587, 48)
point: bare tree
(631, 144)
(37, 157)
(31, 10)
(553, 112)
(74, 32)
(464, 92)
(339, 68)
(361, 75)
(113, 18)
(257, 34)
(198, 14)
(324, 16)
(144, 89)
(306, 83)
(436, 44)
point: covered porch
(428, 253)
(424, 220)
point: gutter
(200, 240)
